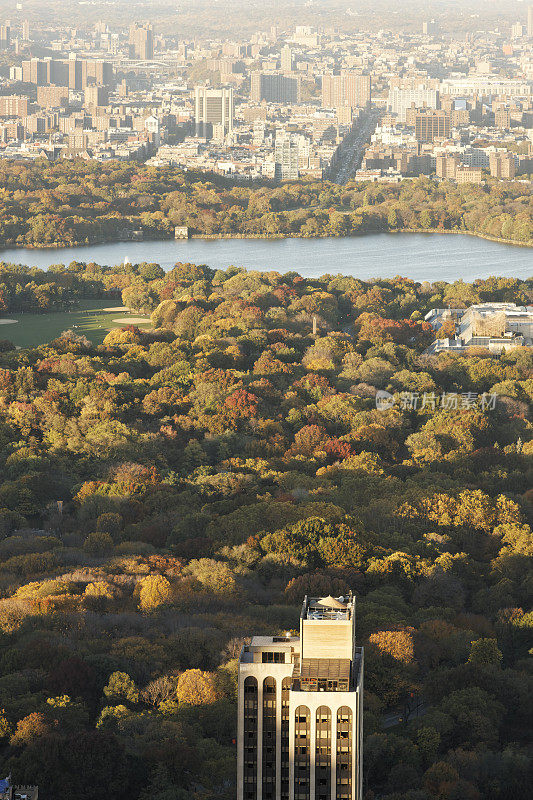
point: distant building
(286, 156)
(431, 125)
(530, 22)
(347, 89)
(447, 166)
(13, 106)
(274, 88)
(95, 97)
(402, 99)
(495, 326)
(286, 58)
(141, 41)
(5, 36)
(466, 174)
(430, 27)
(213, 107)
(502, 165)
(300, 709)
(52, 96)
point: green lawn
(90, 319)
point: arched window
(302, 755)
(269, 738)
(250, 738)
(323, 754)
(344, 753)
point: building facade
(300, 707)
(274, 88)
(347, 89)
(141, 41)
(400, 100)
(213, 107)
(431, 125)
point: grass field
(91, 320)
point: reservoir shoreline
(265, 237)
(427, 256)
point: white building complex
(300, 709)
(496, 326)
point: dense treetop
(168, 493)
(78, 201)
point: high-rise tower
(300, 708)
(213, 107)
(142, 41)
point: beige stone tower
(300, 708)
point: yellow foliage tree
(155, 591)
(399, 644)
(196, 688)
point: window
(271, 657)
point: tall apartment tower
(530, 22)
(347, 89)
(141, 41)
(274, 88)
(5, 36)
(300, 707)
(212, 107)
(286, 58)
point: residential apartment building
(52, 96)
(286, 58)
(287, 149)
(400, 100)
(14, 106)
(274, 88)
(141, 41)
(347, 89)
(446, 166)
(431, 125)
(502, 165)
(300, 707)
(466, 174)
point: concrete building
(286, 156)
(530, 22)
(488, 86)
(466, 174)
(446, 166)
(431, 125)
(52, 96)
(141, 41)
(400, 100)
(95, 97)
(286, 58)
(300, 709)
(502, 165)
(14, 106)
(347, 89)
(5, 36)
(274, 88)
(213, 107)
(495, 326)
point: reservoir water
(420, 256)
